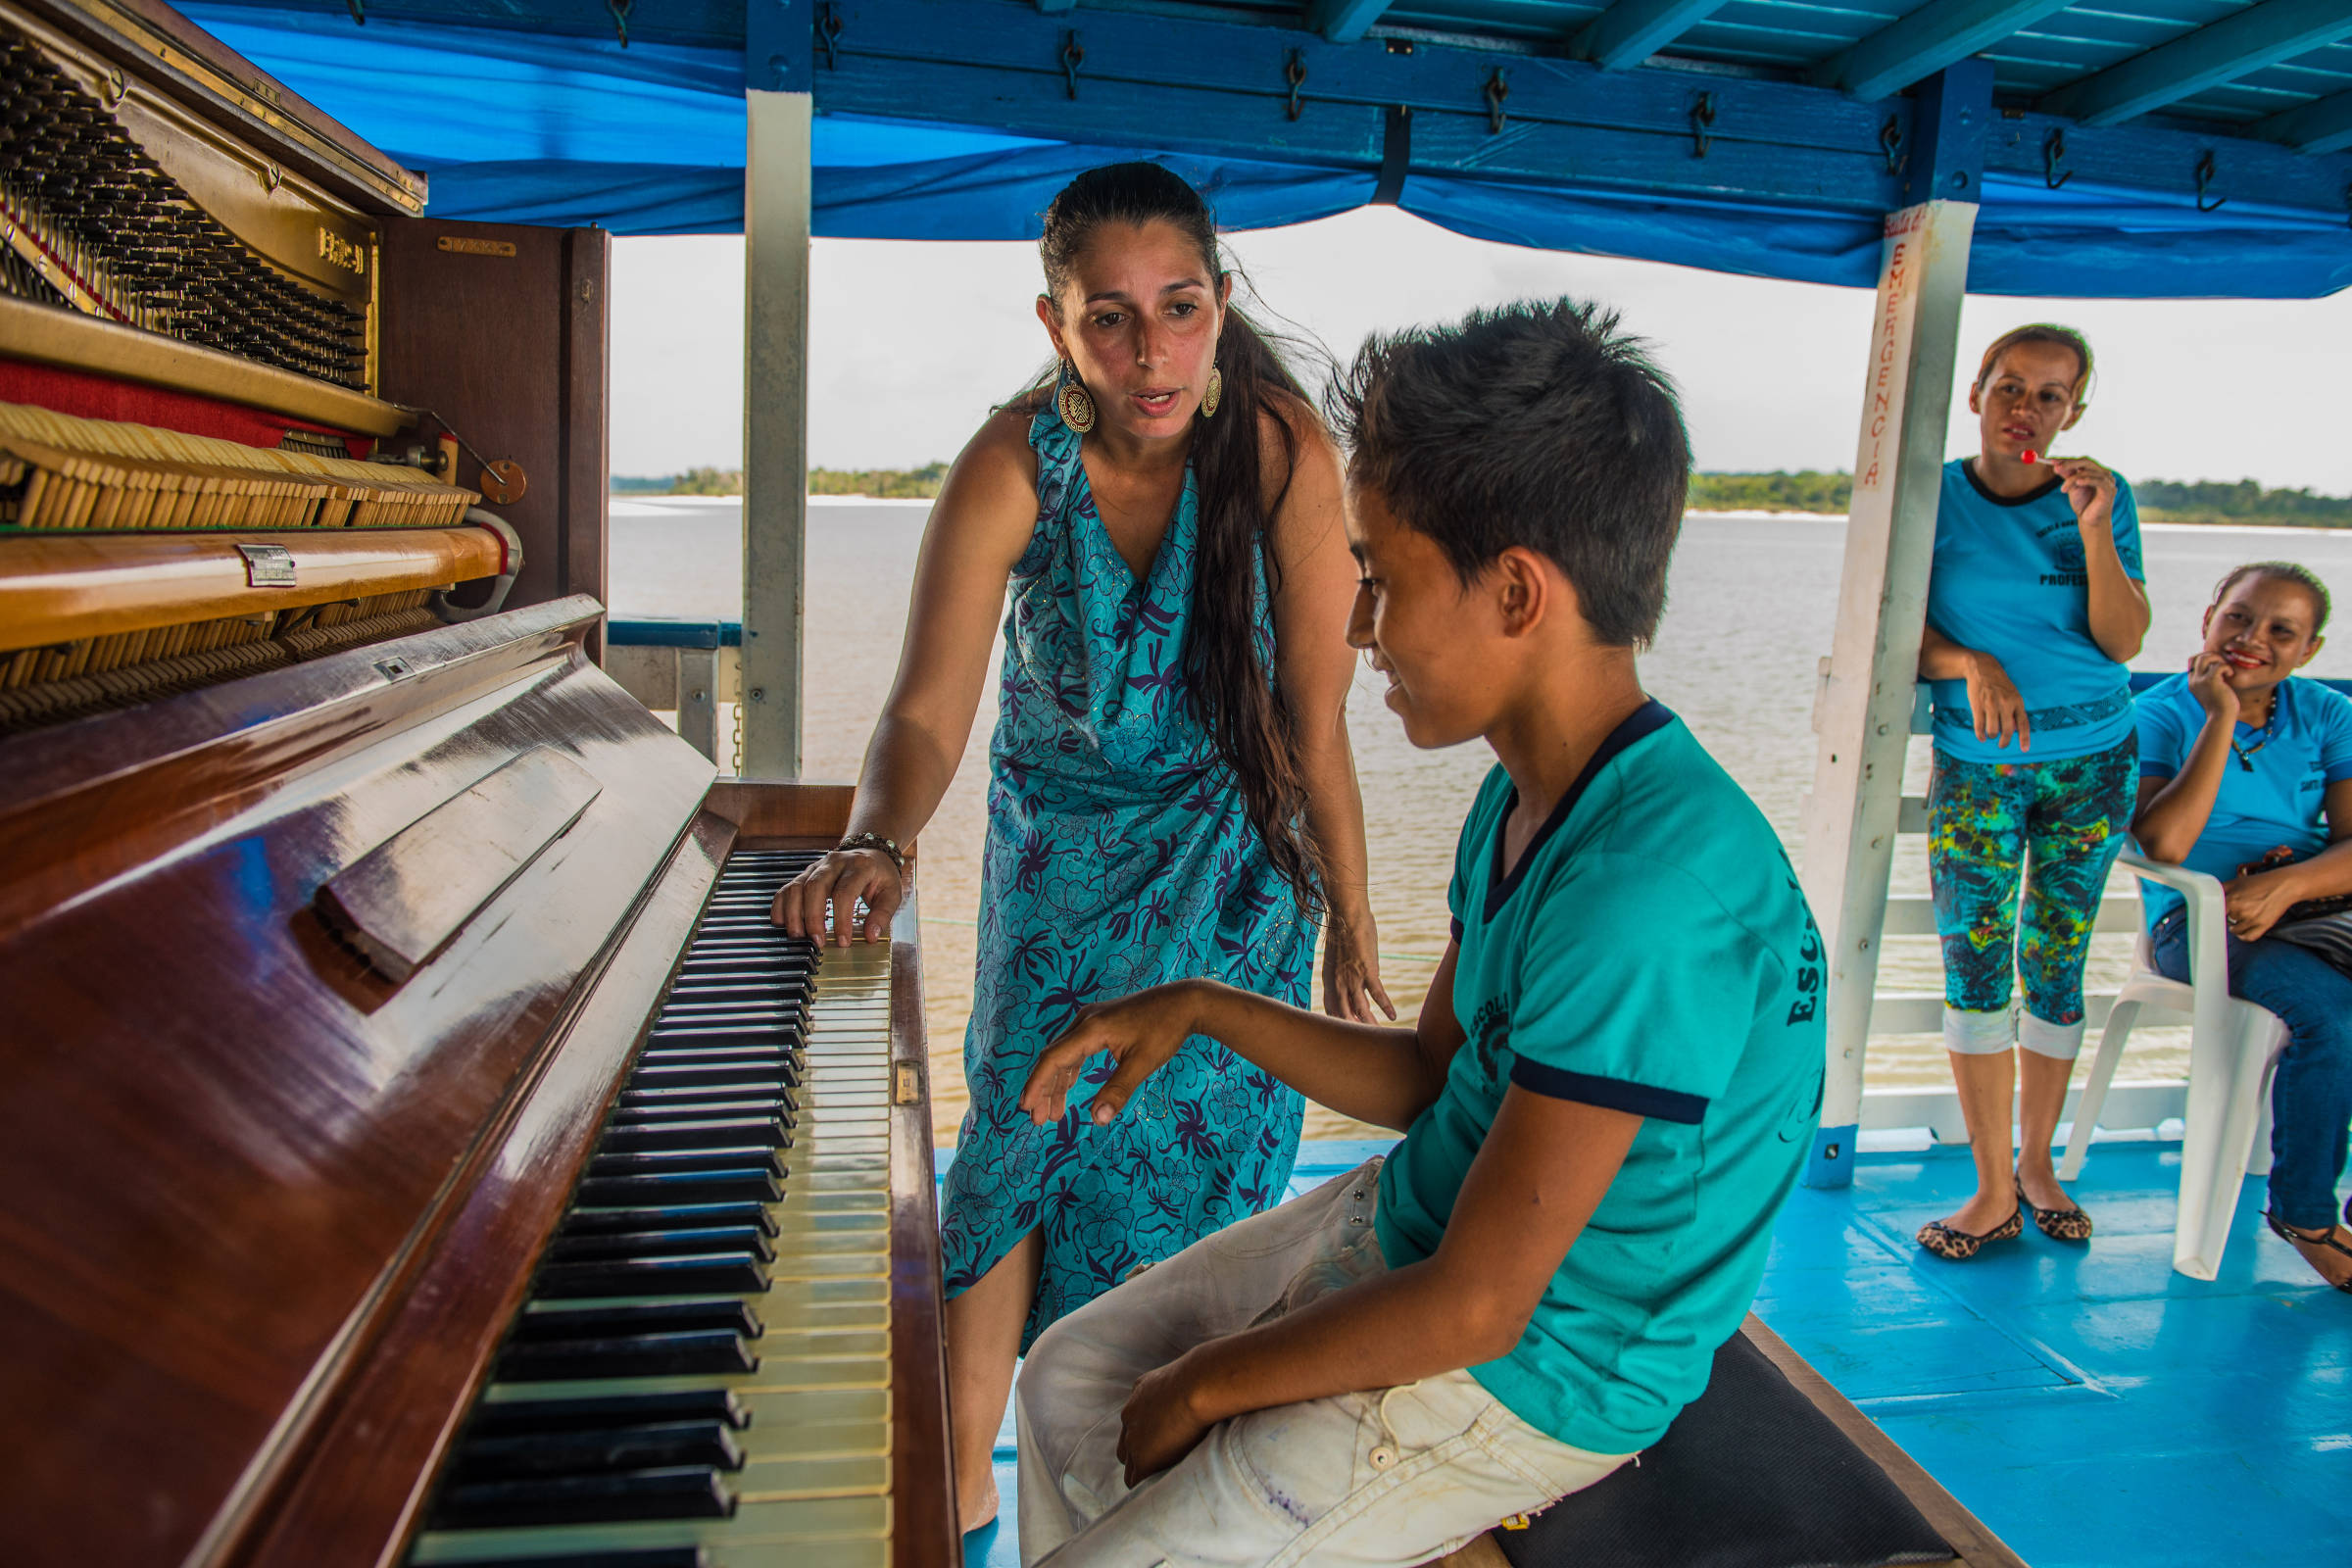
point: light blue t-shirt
(1650, 953)
(2273, 787)
(2010, 580)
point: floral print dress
(1120, 855)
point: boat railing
(692, 668)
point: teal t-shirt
(1650, 953)
(2274, 787)
(2010, 580)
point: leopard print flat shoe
(2058, 1224)
(1958, 1245)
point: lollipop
(2031, 455)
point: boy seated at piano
(1615, 1075)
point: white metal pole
(776, 426)
(1864, 708)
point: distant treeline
(894, 484)
(1804, 491)
(2206, 501)
(2209, 501)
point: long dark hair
(1235, 696)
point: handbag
(2309, 909)
(2323, 924)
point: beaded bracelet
(875, 841)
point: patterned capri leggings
(2056, 827)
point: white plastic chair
(2233, 1047)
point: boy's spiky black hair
(1538, 424)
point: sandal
(2295, 1238)
(1958, 1246)
(2058, 1224)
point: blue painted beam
(1055, 8)
(2322, 126)
(1631, 31)
(778, 46)
(1950, 124)
(2260, 35)
(1343, 21)
(1220, 88)
(1918, 45)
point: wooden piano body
(272, 1212)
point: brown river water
(1749, 614)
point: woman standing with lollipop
(2035, 604)
(1171, 793)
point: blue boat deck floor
(2090, 1405)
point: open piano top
(325, 992)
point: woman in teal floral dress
(1171, 788)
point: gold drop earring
(1213, 393)
(1072, 401)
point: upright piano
(419, 1146)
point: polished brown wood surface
(368, 1469)
(238, 1157)
(923, 1522)
(61, 586)
(500, 331)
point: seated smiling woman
(2242, 763)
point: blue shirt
(2274, 796)
(1650, 953)
(2010, 580)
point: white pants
(1385, 1479)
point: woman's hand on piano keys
(1141, 1032)
(834, 887)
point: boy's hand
(1141, 1032)
(1159, 1425)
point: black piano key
(684, 1274)
(744, 1076)
(661, 1161)
(642, 1557)
(678, 1187)
(543, 1322)
(596, 1450)
(688, 1491)
(646, 1107)
(761, 961)
(732, 992)
(713, 1131)
(627, 1355)
(608, 1410)
(663, 1244)
(662, 1056)
(771, 1002)
(700, 1036)
(583, 1221)
(788, 1019)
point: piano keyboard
(701, 1375)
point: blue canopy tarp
(560, 130)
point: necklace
(2245, 754)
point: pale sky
(912, 342)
